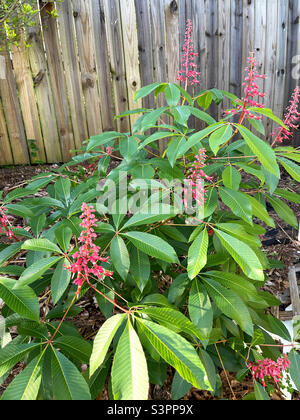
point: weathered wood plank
(131, 53)
(57, 81)
(27, 99)
(86, 52)
(43, 95)
(172, 39)
(6, 157)
(271, 58)
(72, 73)
(224, 49)
(102, 65)
(295, 298)
(117, 63)
(12, 112)
(236, 70)
(145, 47)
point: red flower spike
(263, 369)
(251, 90)
(291, 119)
(4, 228)
(188, 73)
(86, 260)
(195, 175)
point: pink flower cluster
(188, 73)
(87, 258)
(4, 228)
(291, 119)
(251, 90)
(269, 368)
(195, 176)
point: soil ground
(285, 248)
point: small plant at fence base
(177, 289)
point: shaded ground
(280, 244)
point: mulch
(280, 244)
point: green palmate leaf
(172, 94)
(128, 147)
(173, 149)
(268, 113)
(12, 354)
(243, 255)
(36, 270)
(102, 139)
(23, 300)
(60, 280)
(180, 387)
(200, 309)
(156, 136)
(177, 352)
(288, 195)
(146, 90)
(241, 286)
(63, 236)
(103, 340)
(9, 252)
(140, 268)
(230, 304)
(150, 119)
(279, 328)
(252, 170)
(238, 202)
(292, 168)
(171, 317)
(283, 211)
(197, 137)
(294, 358)
(260, 211)
(19, 210)
(200, 115)
(211, 202)
(239, 232)
(62, 189)
(68, 383)
(41, 245)
(219, 137)
(75, 347)
(141, 219)
(262, 150)
(153, 246)
(26, 385)
(197, 256)
(231, 178)
(120, 256)
(129, 374)
(260, 392)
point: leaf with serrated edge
(129, 375)
(178, 352)
(103, 340)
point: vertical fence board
(6, 157)
(271, 58)
(131, 56)
(57, 82)
(43, 94)
(117, 63)
(172, 39)
(224, 48)
(71, 67)
(236, 71)
(12, 113)
(27, 100)
(102, 65)
(86, 49)
(145, 47)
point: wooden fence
(84, 67)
